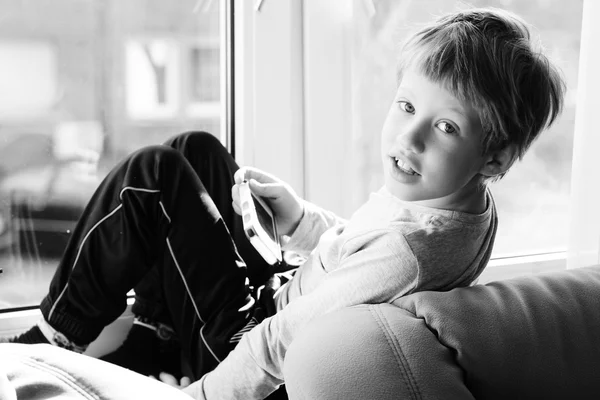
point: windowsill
(512, 267)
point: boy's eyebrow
(458, 110)
(405, 90)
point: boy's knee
(196, 142)
(156, 154)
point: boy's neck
(471, 202)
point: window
(83, 84)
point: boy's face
(431, 145)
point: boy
(472, 97)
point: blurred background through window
(83, 83)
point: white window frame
(584, 219)
(269, 100)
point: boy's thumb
(261, 189)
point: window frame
(584, 214)
(269, 88)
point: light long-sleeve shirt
(387, 249)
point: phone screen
(259, 225)
(265, 219)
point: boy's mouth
(404, 167)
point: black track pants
(162, 223)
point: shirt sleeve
(313, 224)
(377, 273)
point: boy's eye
(446, 128)
(407, 107)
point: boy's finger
(255, 173)
(185, 382)
(238, 176)
(168, 379)
(235, 193)
(264, 189)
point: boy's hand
(170, 380)
(280, 196)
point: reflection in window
(203, 90)
(28, 78)
(152, 78)
(204, 64)
(168, 79)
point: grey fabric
(526, 338)
(42, 371)
(359, 353)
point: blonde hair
(486, 57)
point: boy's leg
(152, 206)
(215, 167)
(131, 202)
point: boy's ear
(499, 161)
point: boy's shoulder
(435, 237)
(385, 211)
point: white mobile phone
(259, 225)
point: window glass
(533, 197)
(82, 84)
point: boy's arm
(313, 224)
(378, 273)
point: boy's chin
(414, 195)
(401, 192)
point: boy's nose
(413, 137)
